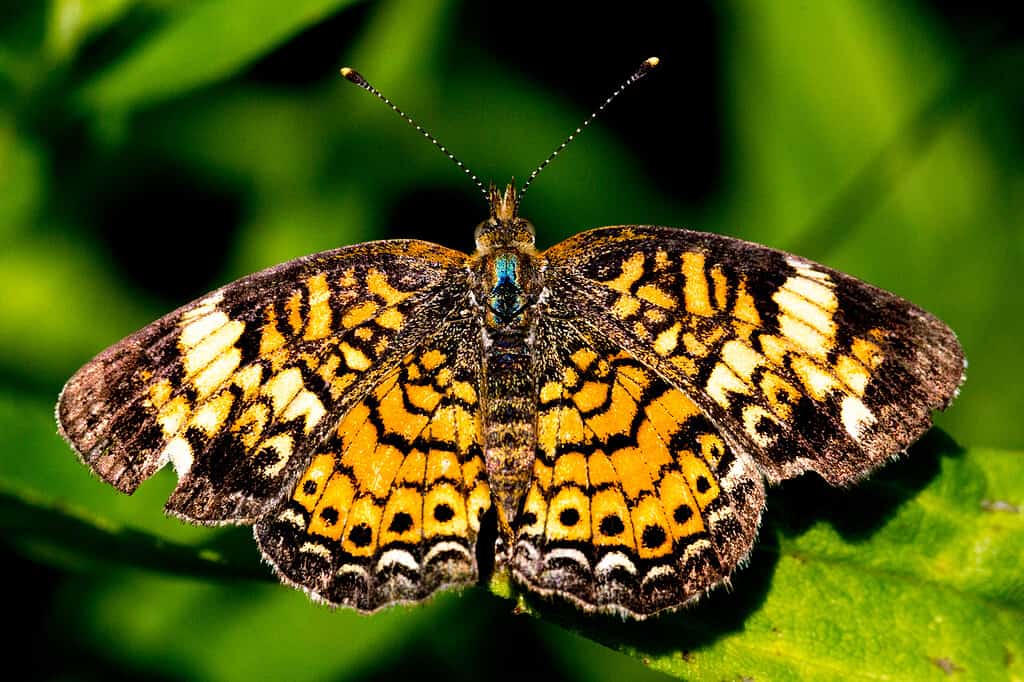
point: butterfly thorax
(506, 291)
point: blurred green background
(151, 150)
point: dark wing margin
(237, 388)
(802, 366)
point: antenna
(642, 71)
(358, 79)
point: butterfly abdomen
(507, 285)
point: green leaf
(70, 22)
(55, 533)
(199, 46)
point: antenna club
(652, 62)
(351, 74)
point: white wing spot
(179, 453)
(573, 555)
(397, 556)
(316, 548)
(856, 416)
(613, 560)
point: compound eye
(487, 233)
(527, 233)
(483, 228)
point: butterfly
(612, 407)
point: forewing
(637, 503)
(389, 508)
(238, 388)
(800, 365)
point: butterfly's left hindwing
(801, 366)
(238, 388)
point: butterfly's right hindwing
(390, 506)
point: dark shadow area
(674, 133)
(168, 229)
(437, 214)
(237, 546)
(479, 634)
(67, 658)
(51, 533)
(974, 18)
(858, 511)
(27, 603)
(35, 539)
(485, 542)
(310, 56)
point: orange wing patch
(390, 507)
(636, 500)
(801, 349)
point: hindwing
(637, 503)
(389, 508)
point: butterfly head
(504, 227)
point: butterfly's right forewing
(801, 366)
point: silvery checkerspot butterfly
(609, 407)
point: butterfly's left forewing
(239, 387)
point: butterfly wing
(801, 366)
(637, 502)
(389, 507)
(238, 388)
